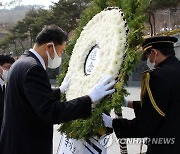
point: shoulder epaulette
(145, 88)
(149, 71)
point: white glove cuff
(110, 123)
(61, 90)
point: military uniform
(159, 117)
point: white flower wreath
(98, 52)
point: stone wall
(177, 46)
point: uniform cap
(159, 41)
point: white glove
(107, 120)
(102, 89)
(64, 85)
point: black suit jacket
(165, 87)
(32, 107)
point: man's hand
(107, 120)
(64, 85)
(102, 89)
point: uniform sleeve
(136, 107)
(41, 97)
(149, 119)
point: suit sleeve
(57, 93)
(41, 97)
(1, 105)
(149, 119)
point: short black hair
(51, 33)
(6, 59)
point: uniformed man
(159, 114)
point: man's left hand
(64, 85)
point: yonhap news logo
(146, 141)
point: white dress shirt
(39, 57)
(1, 82)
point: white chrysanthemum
(106, 32)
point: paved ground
(128, 113)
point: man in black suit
(157, 114)
(32, 107)
(5, 63)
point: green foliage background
(134, 15)
(64, 13)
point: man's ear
(49, 45)
(155, 51)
